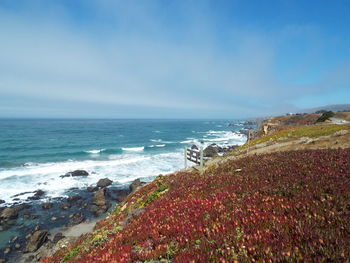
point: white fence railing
(195, 155)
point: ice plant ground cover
(280, 207)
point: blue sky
(172, 59)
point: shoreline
(59, 217)
(67, 216)
(64, 230)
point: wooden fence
(194, 155)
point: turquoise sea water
(34, 153)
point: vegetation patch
(72, 253)
(325, 116)
(154, 195)
(280, 207)
(311, 131)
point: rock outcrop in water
(99, 204)
(214, 149)
(135, 185)
(38, 195)
(37, 239)
(75, 219)
(9, 213)
(75, 173)
(104, 182)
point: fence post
(248, 141)
(185, 157)
(201, 157)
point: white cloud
(126, 56)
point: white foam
(133, 149)
(156, 140)
(157, 145)
(95, 151)
(218, 137)
(224, 137)
(122, 168)
(64, 167)
(187, 141)
(133, 163)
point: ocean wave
(157, 145)
(112, 151)
(122, 169)
(225, 137)
(133, 149)
(188, 141)
(95, 151)
(155, 140)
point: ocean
(34, 153)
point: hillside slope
(283, 206)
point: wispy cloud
(126, 54)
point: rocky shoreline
(37, 227)
(32, 230)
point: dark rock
(229, 148)
(2, 201)
(37, 239)
(74, 198)
(34, 197)
(118, 194)
(132, 214)
(79, 173)
(23, 193)
(244, 132)
(135, 185)
(92, 188)
(38, 195)
(7, 250)
(211, 150)
(99, 205)
(249, 123)
(79, 203)
(194, 147)
(30, 259)
(9, 213)
(39, 192)
(58, 237)
(75, 219)
(76, 173)
(26, 214)
(65, 206)
(104, 182)
(45, 251)
(22, 207)
(46, 205)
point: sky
(172, 59)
